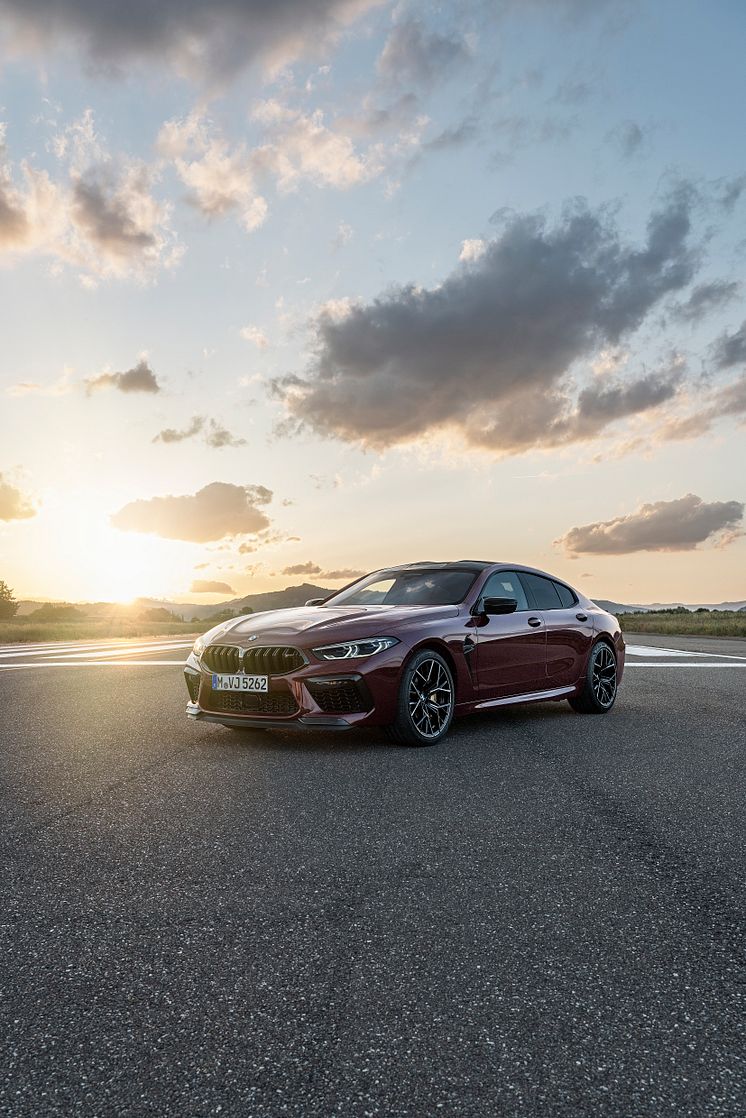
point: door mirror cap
(315, 601)
(499, 605)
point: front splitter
(198, 715)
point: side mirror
(499, 605)
(315, 601)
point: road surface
(543, 915)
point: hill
(271, 599)
(620, 607)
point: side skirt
(528, 697)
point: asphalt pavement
(543, 915)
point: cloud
(725, 401)
(414, 55)
(116, 225)
(101, 216)
(141, 378)
(120, 218)
(210, 586)
(628, 138)
(730, 349)
(325, 481)
(375, 119)
(215, 434)
(14, 505)
(346, 573)
(454, 137)
(215, 511)
(32, 214)
(610, 401)
(213, 41)
(677, 525)
(518, 132)
(60, 387)
(14, 225)
(472, 249)
(296, 146)
(218, 436)
(172, 435)
(221, 180)
(254, 335)
(706, 297)
(488, 352)
(730, 191)
(302, 569)
(343, 236)
(314, 570)
(301, 146)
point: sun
(131, 567)
(103, 564)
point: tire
(422, 719)
(600, 687)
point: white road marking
(89, 664)
(93, 642)
(658, 664)
(650, 650)
(92, 650)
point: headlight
(354, 650)
(202, 642)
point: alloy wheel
(430, 698)
(603, 676)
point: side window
(566, 595)
(506, 584)
(542, 590)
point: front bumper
(320, 695)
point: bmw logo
(253, 638)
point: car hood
(313, 624)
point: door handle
(534, 622)
(582, 616)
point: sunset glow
(432, 286)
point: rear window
(566, 595)
(542, 590)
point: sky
(297, 290)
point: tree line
(8, 603)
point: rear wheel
(599, 689)
(426, 702)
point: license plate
(240, 682)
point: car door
(511, 647)
(569, 630)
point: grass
(711, 624)
(20, 630)
(720, 623)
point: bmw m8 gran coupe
(409, 648)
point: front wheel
(426, 702)
(600, 686)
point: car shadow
(307, 741)
(356, 741)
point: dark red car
(409, 648)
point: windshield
(407, 588)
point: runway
(543, 915)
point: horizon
(218, 602)
(314, 300)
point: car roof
(476, 565)
(446, 564)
